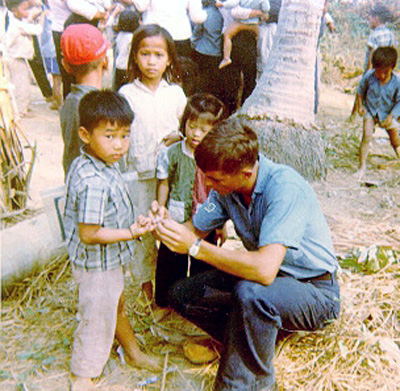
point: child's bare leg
(127, 339)
(394, 140)
(229, 33)
(368, 128)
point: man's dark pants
(246, 317)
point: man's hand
(175, 236)
(158, 213)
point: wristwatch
(195, 248)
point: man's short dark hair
(229, 147)
(384, 56)
(107, 106)
(383, 13)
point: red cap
(83, 43)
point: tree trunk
(281, 107)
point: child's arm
(162, 191)
(171, 138)
(96, 234)
(162, 172)
(360, 106)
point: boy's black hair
(83, 69)
(383, 13)
(105, 105)
(11, 4)
(384, 56)
(128, 21)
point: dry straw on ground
(359, 351)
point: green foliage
(370, 260)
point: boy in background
(19, 50)
(378, 99)
(380, 36)
(84, 56)
(100, 230)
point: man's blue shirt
(284, 209)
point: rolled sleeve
(211, 214)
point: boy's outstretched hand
(142, 226)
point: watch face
(195, 248)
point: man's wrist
(194, 249)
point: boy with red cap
(84, 56)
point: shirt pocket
(177, 210)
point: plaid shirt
(96, 194)
(379, 37)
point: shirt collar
(139, 84)
(264, 167)
(99, 165)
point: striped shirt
(96, 195)
(381, 36)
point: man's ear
(84, 135)
(247, 172)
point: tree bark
(281, 107)
(286, 87)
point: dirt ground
(359, 213)
(37, 340)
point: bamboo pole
(15, 170)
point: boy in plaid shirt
(381, 35)
(100, 231)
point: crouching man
(286, 280)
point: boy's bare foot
(81, 383)
(224, 63)
(143, 361)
